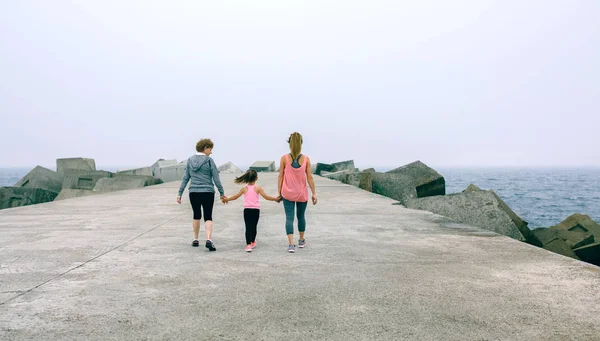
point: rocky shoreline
(414, 186)
(418, 186)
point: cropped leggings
(204, 200)
(289, 207)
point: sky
(451, 83)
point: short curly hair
(203, 144)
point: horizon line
(125, 167)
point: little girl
(251, 205)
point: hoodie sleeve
(215, 176)
(186, 178)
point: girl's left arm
(265, 195)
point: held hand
(279, 198)
(179, 199)
(314, 199)
(224, 199)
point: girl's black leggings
(251, 216)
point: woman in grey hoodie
(203, 175)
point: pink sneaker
(248, 248)
(253, 245)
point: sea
(541, 196)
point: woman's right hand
(314, 199)
(179, 199)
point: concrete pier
(119, 266)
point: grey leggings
(289, 215)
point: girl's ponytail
(249, 177)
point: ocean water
(542, 197)
(10, 176)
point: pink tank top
(294, 181)
(251, 198)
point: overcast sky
(450, 83)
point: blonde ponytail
(295, 142)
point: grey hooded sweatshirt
(202, 171)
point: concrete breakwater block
(229, 168)
(350, 177)
(137, 171)
(472, 188)
(123, 182)
(170, 173)
(44, 178)
(580, 222)
(344, 165)
(578, 232)
(323, 167)
(365, 181)
(162, 163)
(426, 180)
(589, 253)
(479, 208)
(573, 239)
(559, 246)
(74, 193)
(263, 166)
(320, 168)
(521, 224)
(313, 167)
(78, 163)
(396, 186)
(77, 179)
(415, 180)
(23, 196)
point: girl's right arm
(239, 194)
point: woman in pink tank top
(294, 173)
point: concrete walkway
(120, 266)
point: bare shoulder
(257, 189)
(304, 159)
(282, 163)
(245, 189)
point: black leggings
(251, 216)
(206, 200)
